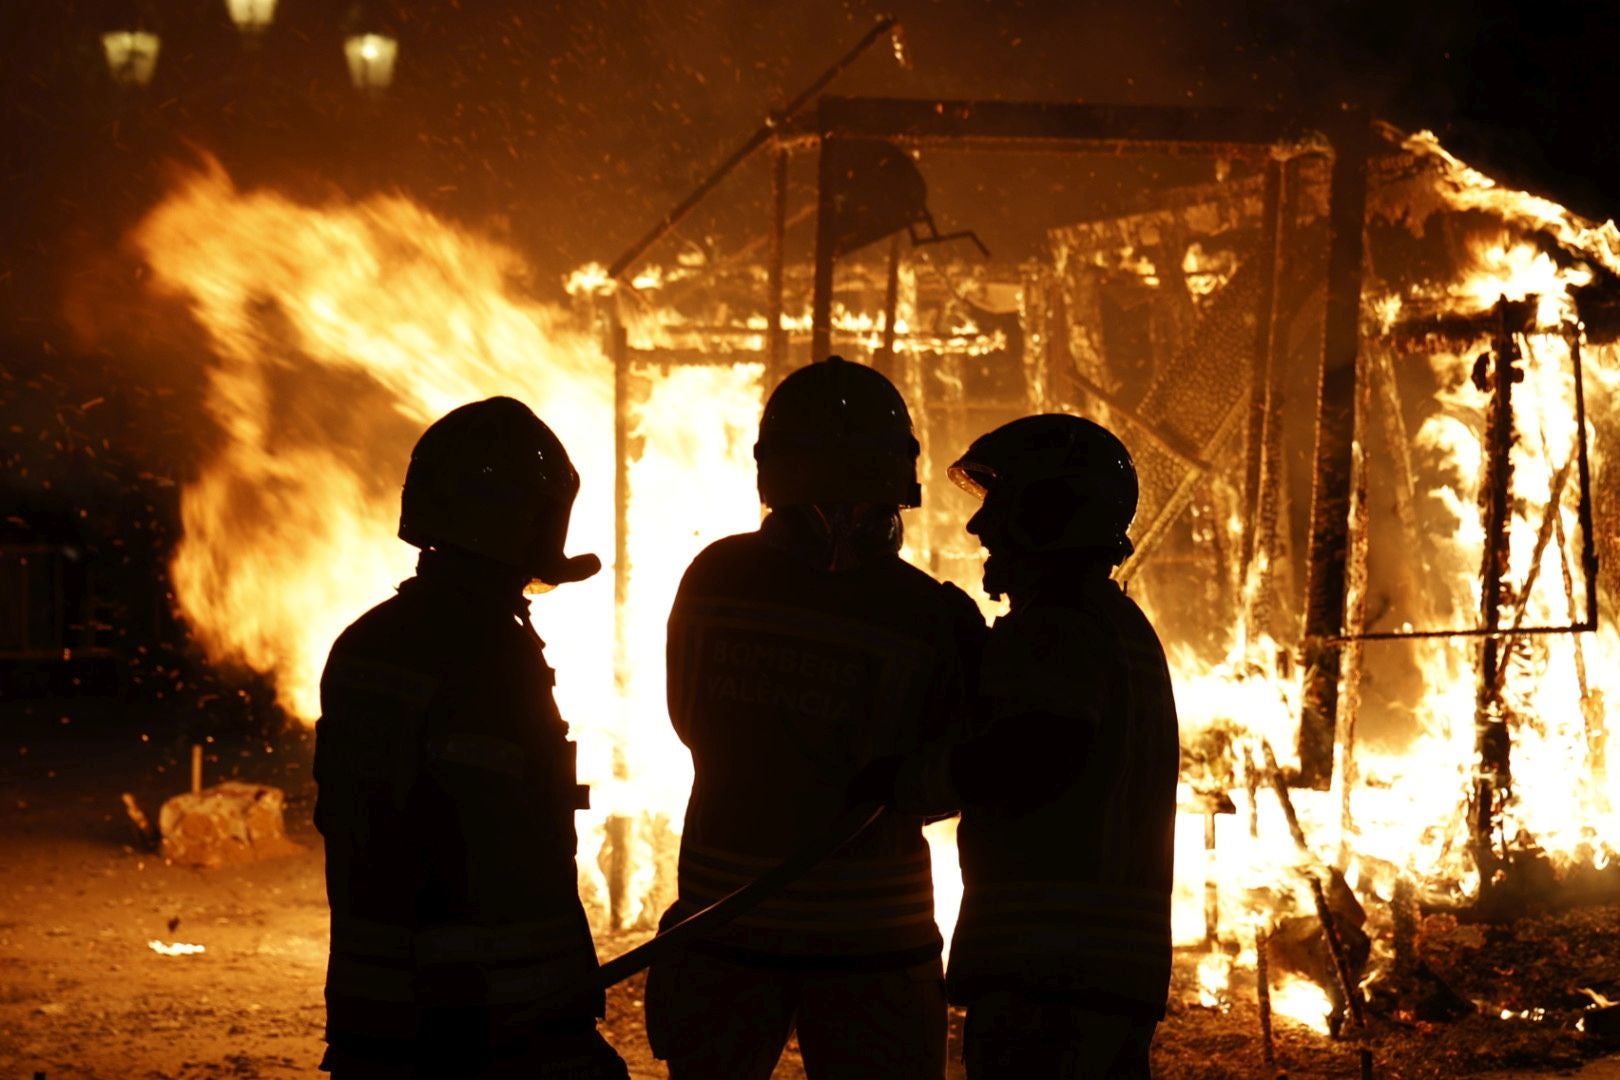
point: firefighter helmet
(491, 478)
(836, 432)
(1062, 482)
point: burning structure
(1371, 394)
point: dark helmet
(492, 479)
(836, 432)
(1065, 483)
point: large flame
(339, 332)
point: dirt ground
(83, 994)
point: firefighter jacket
(1069, 800)
(446, 798)
(785, 678)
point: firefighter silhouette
(1068, 793)
(798, 654)
(446, 782)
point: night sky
(573, 125)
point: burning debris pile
(1452, 752)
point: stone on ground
(230, 823)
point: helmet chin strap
(1009, 575)
(1018, 574)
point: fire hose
(846, 828)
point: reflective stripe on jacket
(1066, 936)
(515, 963)
(862, 902)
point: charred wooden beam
(1583, 472)
(826, 250)
(776, 340)
(1493, 778)
(1335, 435)
(1469, 632)
(1212, 886)
(1349, 988)
(1227, 214)
(1035, 308)
(1347, 984)
(1355, 618)
(1262, 987)
(1251, 787)
(1062, 125)
(615, 861)
(1260, 368)
(884, 361)
(1265, 416)
(1404, 918)
(1179, 497)
(1459, 330)
(619, 349)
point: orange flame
(339, 332)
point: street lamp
(371, 61)
(252, 17)
(131, 55)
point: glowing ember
(1303, 1002)
(1214, 978)
(175, 948)
(1535, 1016)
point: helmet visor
(974, 477)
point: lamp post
(252, 17)
(131, 56)
(371, 61)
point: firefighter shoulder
(446, 780)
